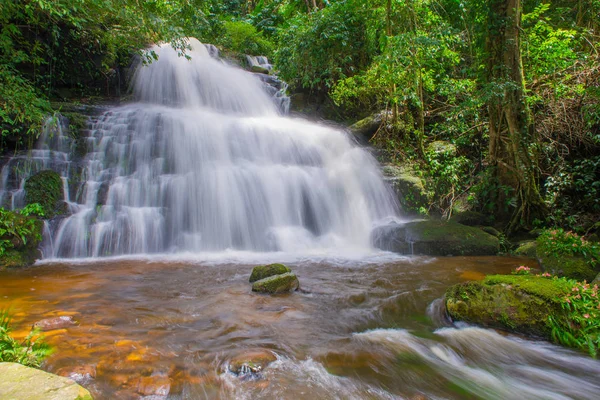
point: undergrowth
(30, 351)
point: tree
(512, 141)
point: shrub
(30, 351)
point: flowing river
(358, 329)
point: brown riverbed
(357, 329)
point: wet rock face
(265, 271)
(275, 284)
(408, 187)
(434, 238)
(23, 383)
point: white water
(205, 162)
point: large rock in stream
(275, 284)
(18, 382)
(434, 238)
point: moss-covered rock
(526, 249)
(45, 188)
(408, 186)
(471, 218)
(264, 271)
(571, 266)
(435, 238)
(258, 69)
(442, 147)
(23, 383)
(21, 238)
(512, 302)
(283, 283)
(365, 129)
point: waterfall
(205, 160)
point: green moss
(443, 238)
(526, 249)
(45, 188)
(287, 282)
(515, 303)
(264, 271)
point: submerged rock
(283, 283)
(516, 303)
(79, 373)
(46, 189)
(264, 271)
(23, 383)
(250, 364)
(434, 238)
(50, 324)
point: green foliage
(46, 189)
(34, 209)
(242, 37)
(15, 230)
(30, 352)
(581, 326)
(557, 242)
(316, 50)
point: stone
(258, 69)
(492, 231)
(442, 147)
(49, 324)
(275, 284)
(264, 271)
(23, 383)
(408, 187)
(365, 129)
(574, 267)
(471, 218)
(46, 189)
(517, 303)
(526, 249)
(79, 373)
(154, 385)
(250, 363)
(434, 238)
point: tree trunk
(512, 138)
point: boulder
(264, 271)
(471, 218)
(526, 249)
(442, 147)
(24, 383)
(46, 189)
(434, 238)
(250, 362)
(365, 129)
(408, 186)
(575, 267)
(283, 283)
(517, 303)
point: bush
(557, 243)
(243, 37)
(30, 351)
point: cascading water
(206, 162)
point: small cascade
(53, 150)
(206, 161)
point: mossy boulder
(526, 249)
(258, 69)
(517, 303)
(365, 129)
(471, 218)
(45, 188)
(22, 236)
(571, 266)
(264, 271)
(24, 383)
(408, 186)
(275, 284)
(434, 238)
